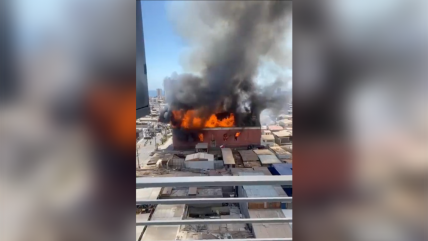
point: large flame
(190, 120)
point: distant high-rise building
(167, 87)
(159, 91)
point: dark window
(145, 69)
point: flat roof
(270, 230)
(139, 229)
(228, 158)
(164, 212)
(287, 147)
(275, 128)
(263, 152)
(283, 168)
(268, 137)
(200, 155)
(269, 159)
(280, 151)
(148, 193)
(202, 145)
(261, 190)
(258, 190)
(288, 213)
(282, 133)
(248, 155)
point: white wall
(205, 165)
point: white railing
(215, 181)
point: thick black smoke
(229, 40)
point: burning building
(225, 129)
(221, 105)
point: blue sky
(163, 45)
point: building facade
(217, 137)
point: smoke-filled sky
(167, 48)
(237, 56)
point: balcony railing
(216, 181)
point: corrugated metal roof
(269, 159)
(200, 155)
(228, 158)
(258, 190)
(263, 152)
(270, 230)
(248, 155)
(280, 153)
(283, 168)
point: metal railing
(215, 181)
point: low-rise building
(282, 137)
(275, 128)
(200, 160)
(267, 140)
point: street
(146, 146)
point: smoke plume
(229, 40)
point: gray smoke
(229, 40)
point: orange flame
(201, 137)
(190, 120)
(237, 134)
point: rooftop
(202, 145)
(282, 133)
(148, 193)
(263, 152)
(271, 230)
(268, 137)
(141, 218)
(248, 155)
(164, 212)
(280, 152)
(283, 168)
(200, 156)
(228, 158)
(268, 159)
(275, 128)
